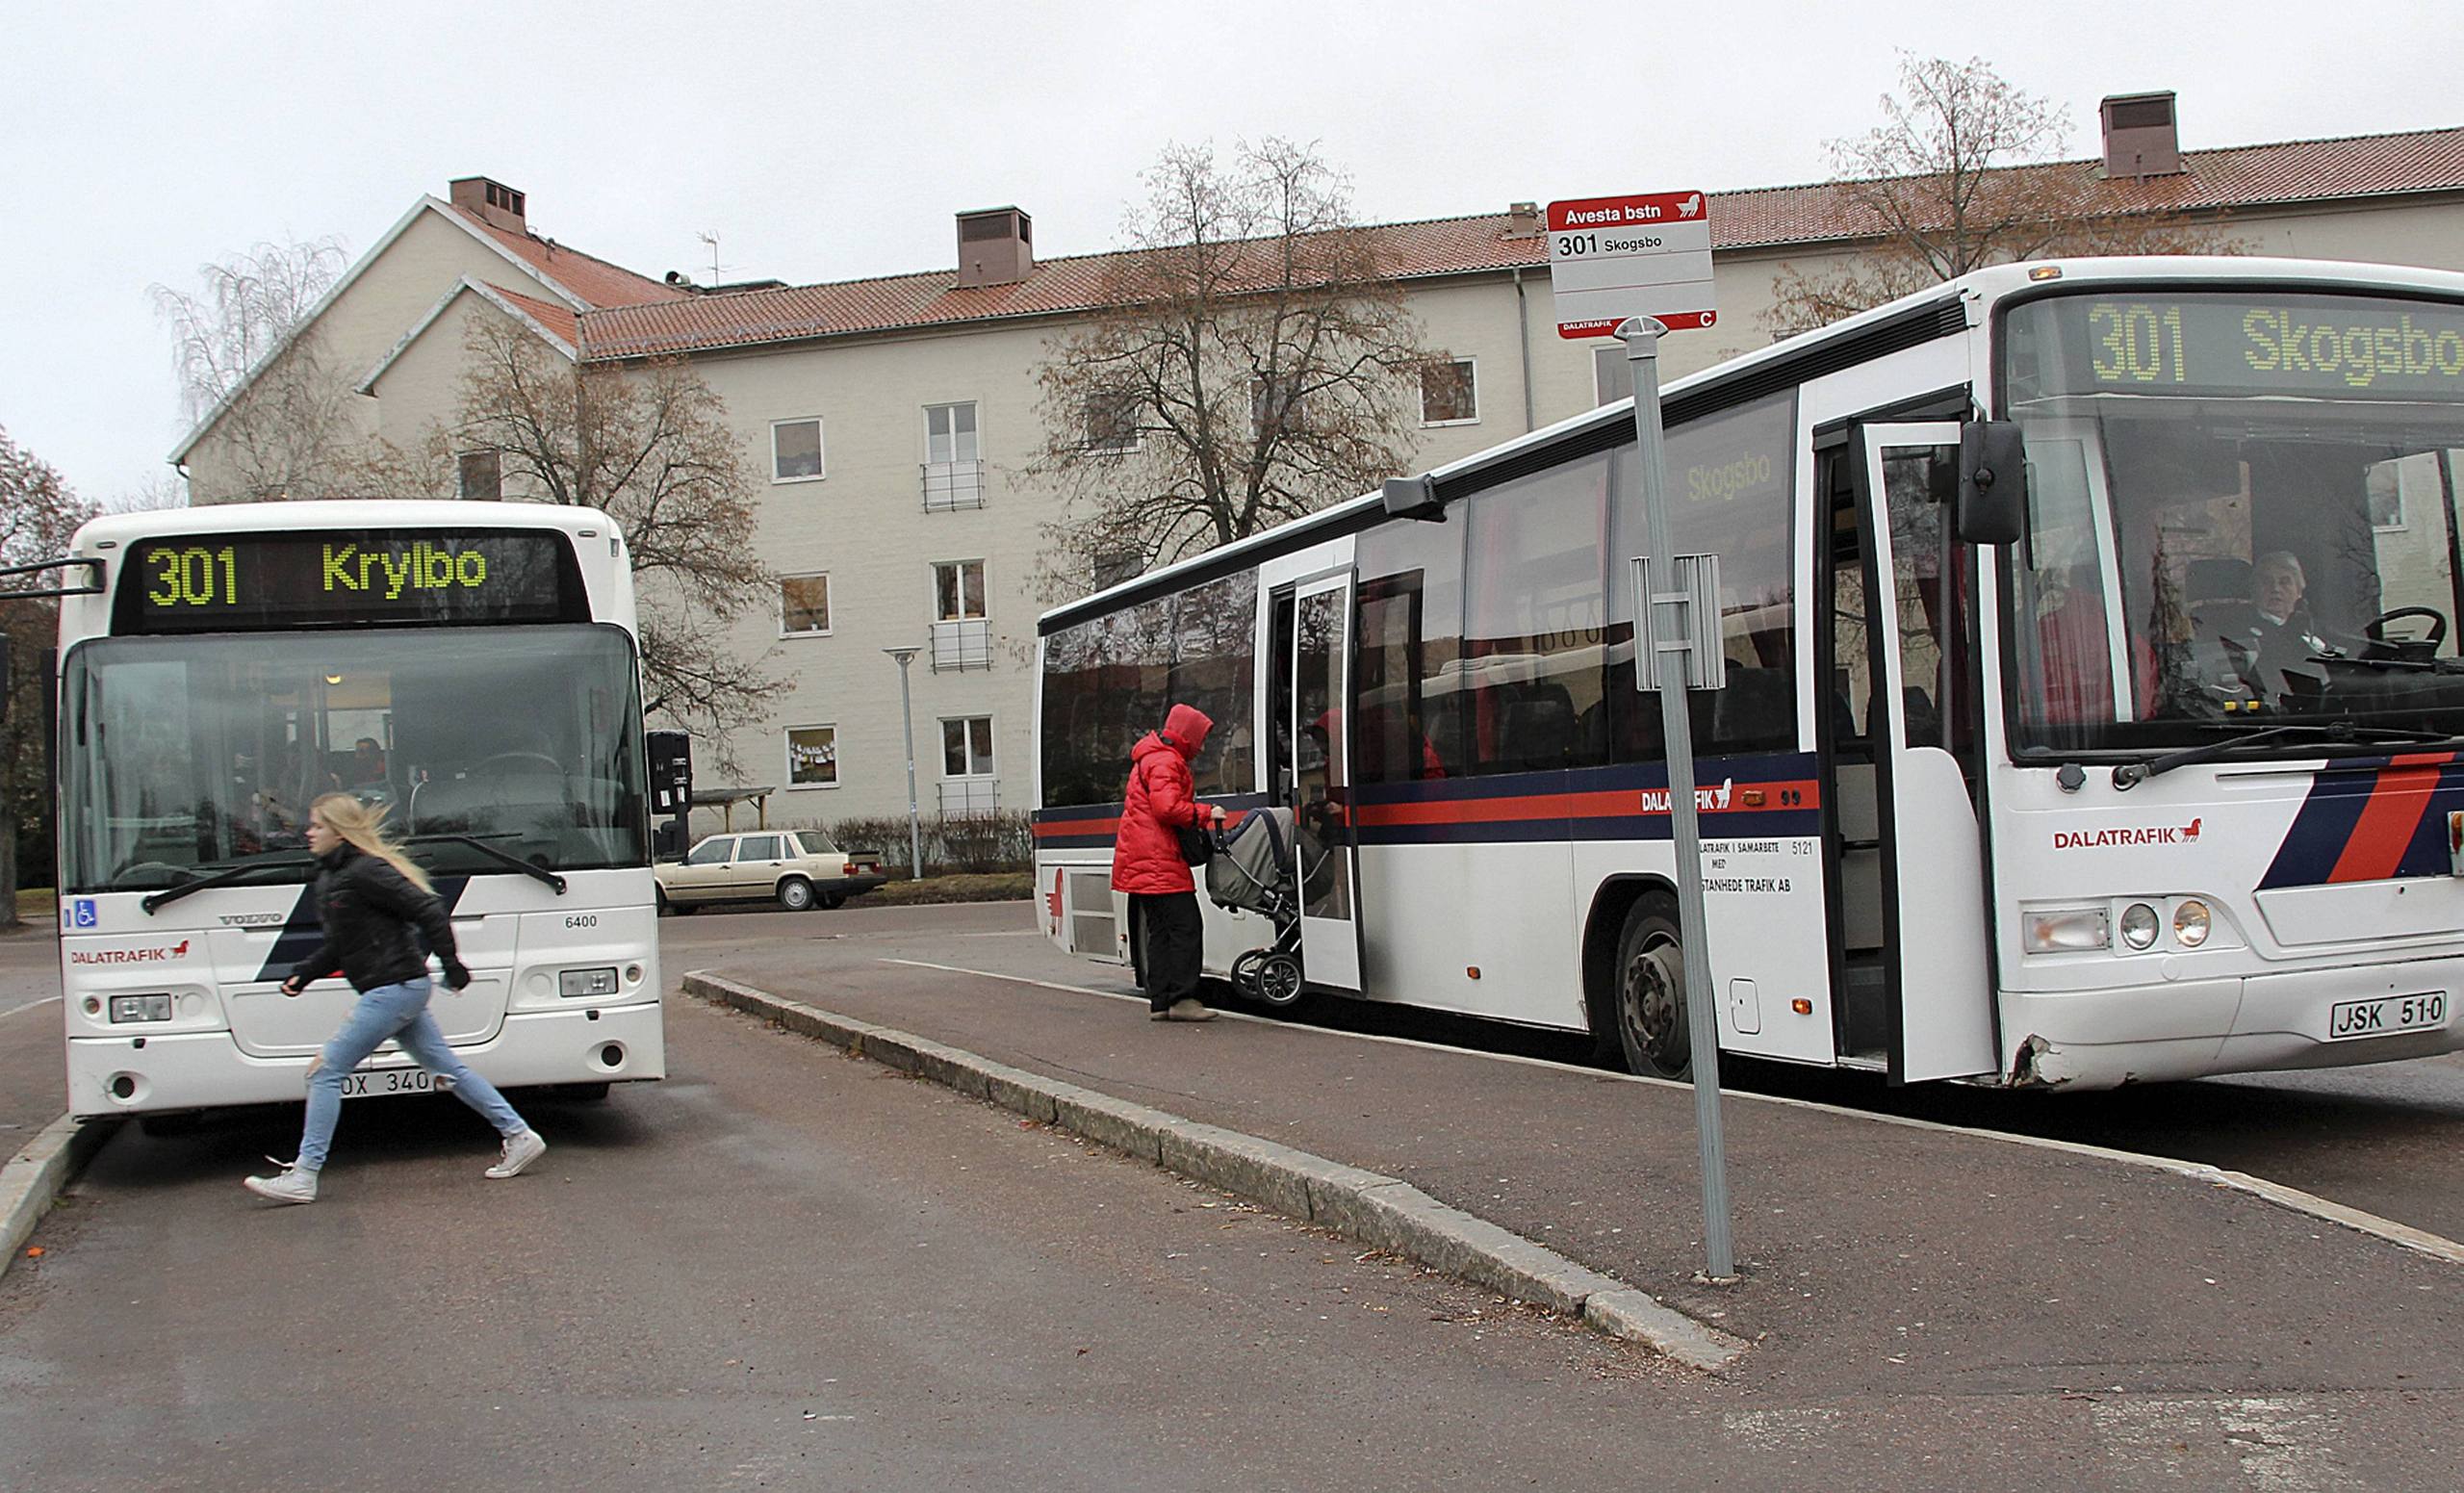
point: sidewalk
(1876, 1258)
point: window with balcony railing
(953, 485)
(953, 457)
(961, 643)
(965, 797)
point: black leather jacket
(375, 923)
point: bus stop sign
(1610, 258)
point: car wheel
(666, 909)
(1651, 992)
(795, 894)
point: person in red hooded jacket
(1147, 864)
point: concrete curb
(34, 1176)
(1377, 1210)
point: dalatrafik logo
(2145, 834)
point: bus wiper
(171, 894)
(505, 858)
(2129, 775)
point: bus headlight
(586, 982)
(2139, 925)
(2191, 923)
(2068, 930)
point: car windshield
(2242, 512)
(183, 757)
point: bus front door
(1318, 767)
(1904, 601)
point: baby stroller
(1251, 871)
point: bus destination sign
(259, 581)
(2336, 346)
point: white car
(798, 868)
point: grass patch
(40, 905)
(997, 887)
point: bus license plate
(2386, 1016)
(370, 1082)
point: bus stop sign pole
(1676, 646)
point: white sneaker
(520, 1151)
(289, 1185)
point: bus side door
(1936, 969)
(1318, 766)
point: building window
(1276, 400)
(966, 747)
(1115, 566)
(795, 451)
(1449, 392)
(480, 475)
(804, 605)
(1111, 420)
(949, 433)
(958, 590)
(1613, 377)
(812, 756)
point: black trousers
(1170, 945)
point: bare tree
(37, 517)
(1252, 361)
(652, 447)
(249, 360)
(1954, 179)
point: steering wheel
(2377, 629)
(486, 762)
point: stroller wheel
(1278, 980)
(1244, 973)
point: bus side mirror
(1994, 482)
(671, 755)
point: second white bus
(2166, 786)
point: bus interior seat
(2214, 580)
(1757, 707)
(1539, 727)
(1922, 724)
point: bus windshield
(190, 757)
(2244, 513)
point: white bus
(2166, 786)
(473, 667)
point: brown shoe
(1188, 1009)
(1159, 1014)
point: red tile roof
(559, 319)
(597, 282)
(2242, 177)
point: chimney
(2140, 136)
(997, 247)
(1522, 220)
(491, 202)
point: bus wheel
(795, 894)
(1651, 992)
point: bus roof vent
(2140, 136)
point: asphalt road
(2385, 1139)
(782, 1267)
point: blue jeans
(398, 1011)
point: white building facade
(893, 422)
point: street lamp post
(907, 715)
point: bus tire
(1651, 992)
(795, 894)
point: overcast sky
(826, 141)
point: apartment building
(893, 420)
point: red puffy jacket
(1161, 801)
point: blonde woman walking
(377, 909)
